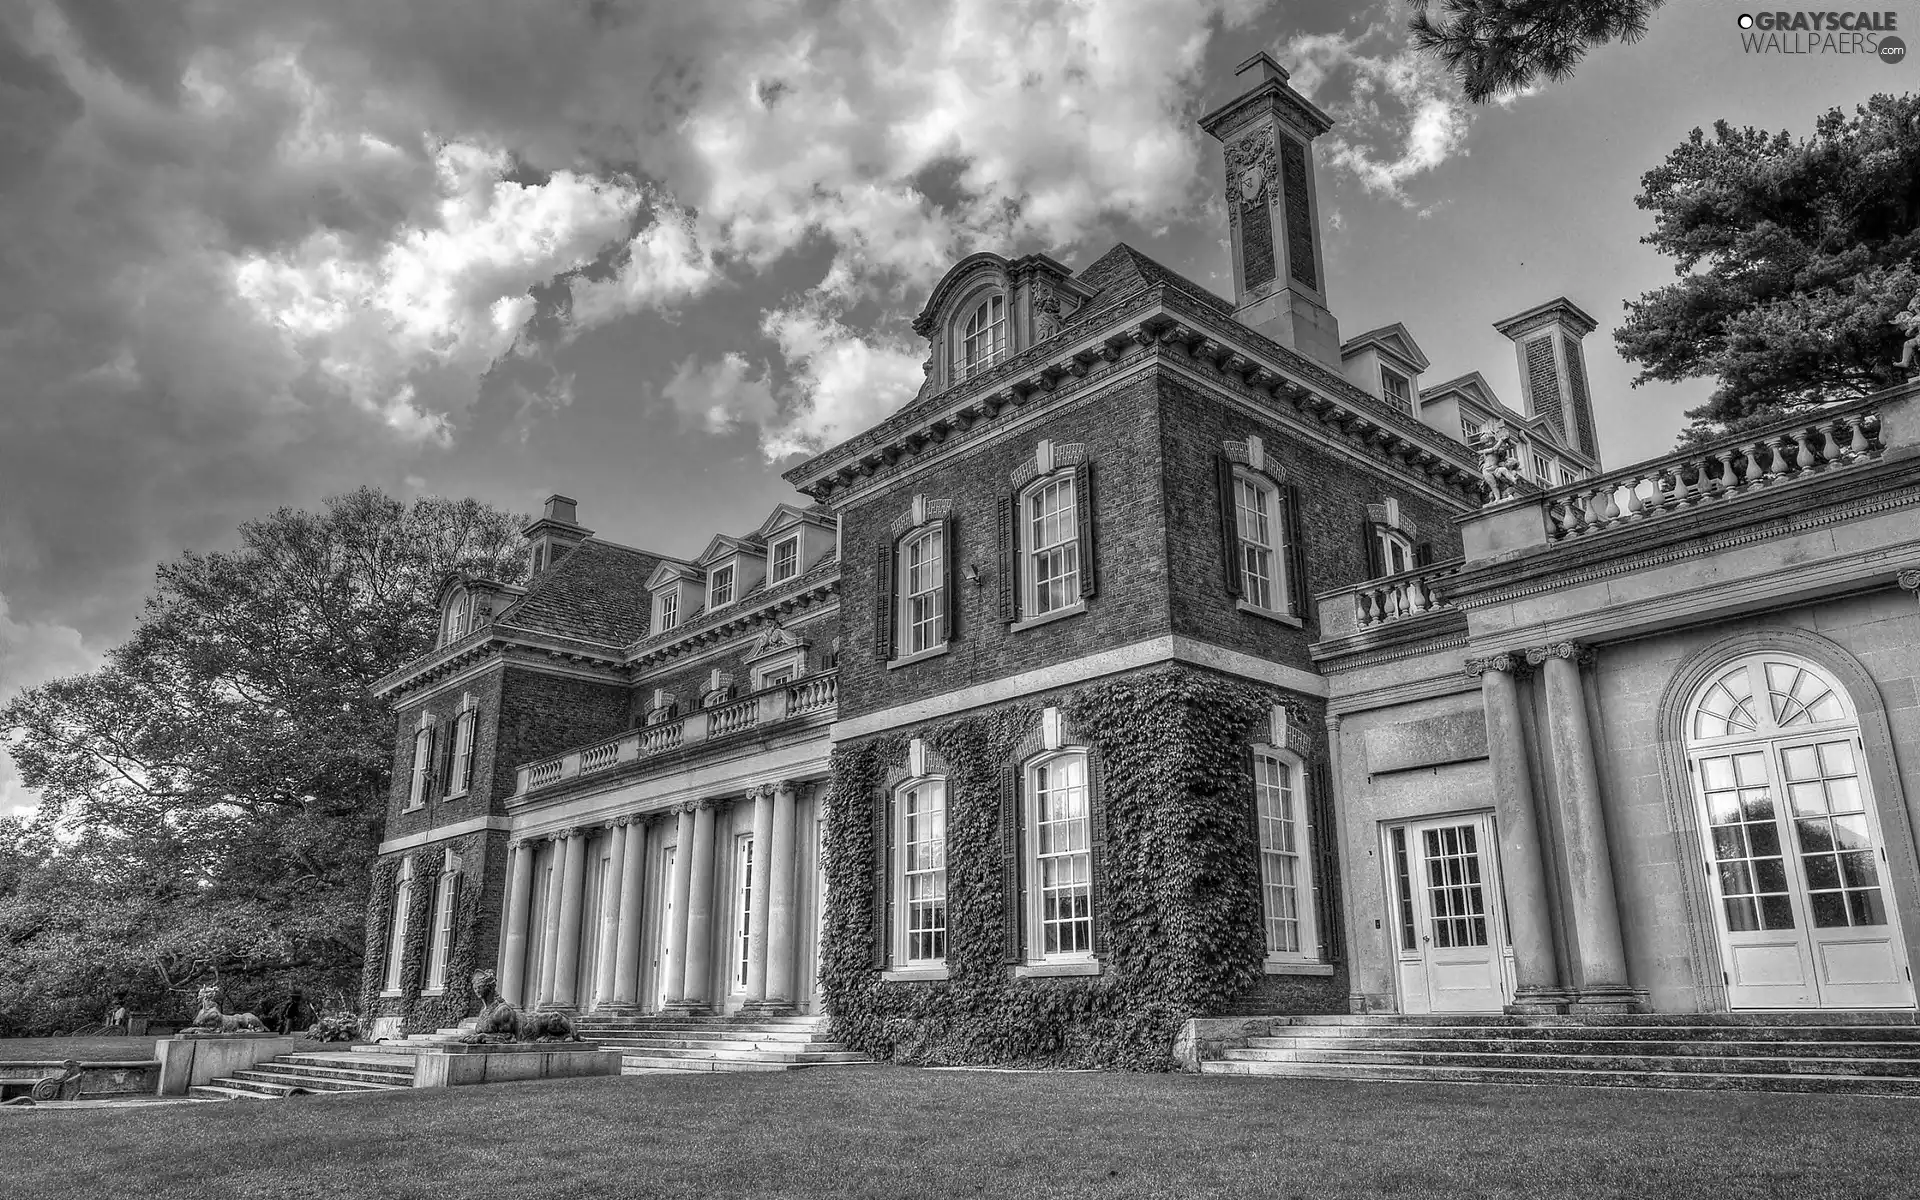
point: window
(775, 676)
(1543, 469)
(462, 767)
(1053, 547)
(1469, 428)
(1286, 875)
(666, 610)
(1257, 521)
(1395, 549)
(454, 626)
(1395, 388)
(786, 559)
(922, 837)
(422, 762)
(1060, 858)
(720, 586)
(743, 865)
(440, 933)
(923, 592)
(397, 925)
(983, 338)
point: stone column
(626, 967)
(609, 931)
(513, 958)
(758, 899)
(1598, 957)
(1522, 852)
(681, 884)
(550, 925)
(697, 987)
(783, 908)
(566, 974)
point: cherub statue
(1499, 459)
(1908, 322)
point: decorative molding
(934, 510)
(1577, 653)
(1506, 663)
(427, 837)
(1909, 581)
(1061, 456)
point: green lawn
(900, 1132)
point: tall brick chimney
(1273, 210)
(555, 533)
(1553, 370)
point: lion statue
(211, 1020)
(500, 1022)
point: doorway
(1450, 940)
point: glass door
(1451, 947)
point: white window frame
(743, 885)
(1543, 468)
(970, 334)
(905, 871)
(397, 927)
(1282, 808)
(422, 762)
(453, 622)
(784, 669)
(1066, 549)
(460, 778)
(1405, 399)
(774, 574)
(1392, 541)
(1278, 597)
(1036, 891)
(715, 577)
(1470, 429)
(910, 619)
(666, 609)
(440, 933)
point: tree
(1794, 258)
(1501, 46)
(219, 784)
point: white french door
(663, 963)
(1446, 914)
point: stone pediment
(774, 639)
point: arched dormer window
(453, 619)
(980, 334)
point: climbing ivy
(1182, 883)
(421, 1013)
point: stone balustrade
(814, 696)
(1829, 440)
(1377, 602)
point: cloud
(721, 395)
(32, 653)
(841, 381)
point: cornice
(1425, 640)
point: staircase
(319, 1072)
(1852, 1053)
(741, 1043)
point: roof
(1474, 386)
(1124, 269)
(596, 592)
(1394, 339)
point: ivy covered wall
(1178, 880)
(475, 932)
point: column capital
(760, 791)
(797, 788)
(1332, 722)
(1575, 652)
(709, 804)
(1506, 662)
(1908, 581)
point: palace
(1170, 656)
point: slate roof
(1123, 269)
(597, 592)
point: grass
(86, 1049)
(905, 1133)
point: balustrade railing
(813, 695)
(1794, 448)
(1378, 602)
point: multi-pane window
(744, 914)
(720, 587)
(455, 626)
(1053, 547)
(1396, 550)
(1285, 877)
(397, 925)
(983, 339)
(1469, 428)
(786, 560)
(1394, 386)
(923, 593)
(1403, 879)
(463, 727)
(1543, 469)
(923, 872)
(1257, 520)
(666, 610)
(1061, 858)
(422, 762)
(440, 933)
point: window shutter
(1423, 554)
(885, 597)
(1229, 524)
(453, 914)
(952, 569)
(1083, 501)
(1326, 861)
(882, 875)
(432, 748)
(445, 783)
(1097, 850)
(1370, 538)
(1297, 593)
(1010, 873)
(1010, 559)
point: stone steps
(744, 1043)
(1861, 1054)
(747, 1045)
(313, 1073)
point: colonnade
(695, 920)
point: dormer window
(720, 587)
(666, 611)
(784, 562)
(1395, 389)
(983, 336)
(453, 625)
(1543, 469)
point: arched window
(423, 746)
(1286, 869)
(1051, 528)
(920, 811)
(982, 336)
(460, 772)
(440, 933)
(397, 925)
(1257, 520)
(923, 591)
(453, 624)
(1059, 858)
(1395, 548)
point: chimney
(1553, 371)
(555, 533)
(1273, 210)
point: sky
(257, 252)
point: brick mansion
(1173, 656)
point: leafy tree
(1793, 257)
(1501, 46)
(211, 798)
